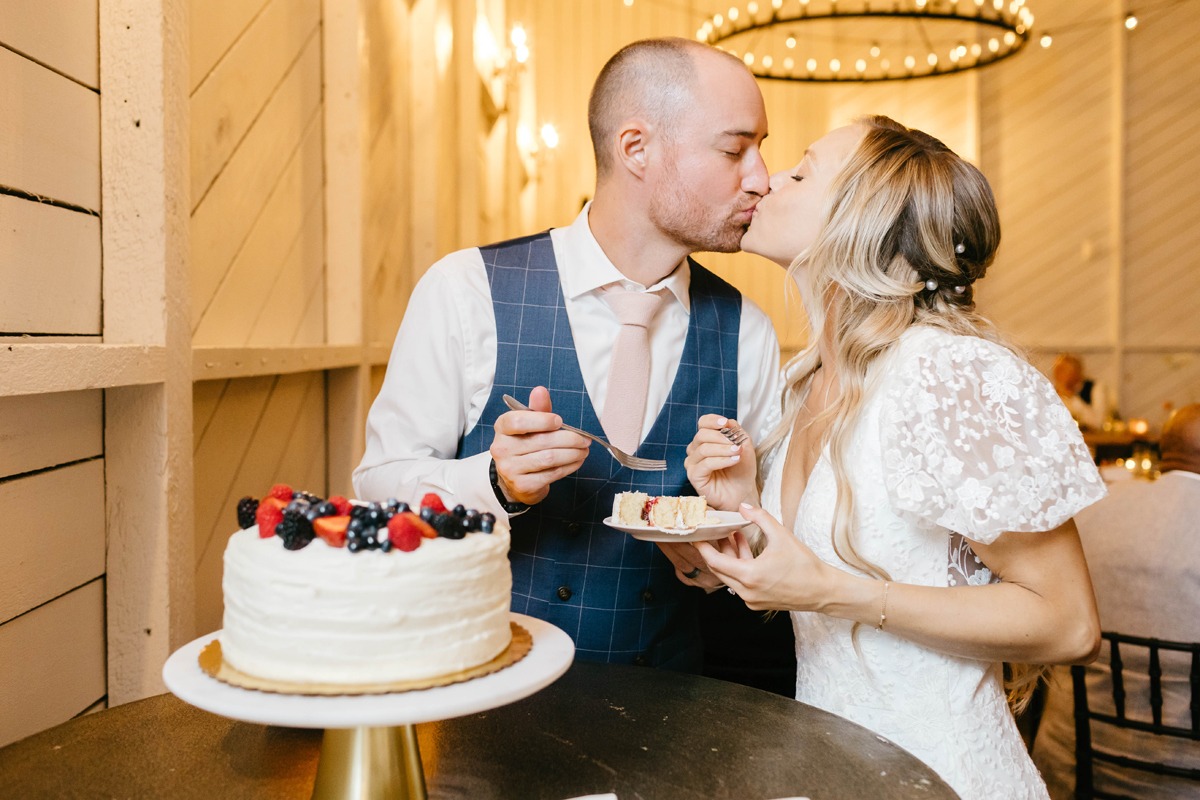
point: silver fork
(623, 458)
(735, 435)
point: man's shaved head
(654, 79)
(1180, 443)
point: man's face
(711, 174)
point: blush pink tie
(629, 374)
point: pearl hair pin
(960, 248)
(931, 285)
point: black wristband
(511, 507)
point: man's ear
(632, 147)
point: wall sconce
(536, 149)
(510, 62)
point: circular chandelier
(829, 41)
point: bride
(917, 493)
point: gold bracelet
(883, 608)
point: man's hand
(531, 450)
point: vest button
(564, 593)
(573, 528)
(647, 596)
(639, 660)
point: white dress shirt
(440, 373)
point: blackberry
(246, 508)
(448, 526)
(295, 530)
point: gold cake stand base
(370, 764)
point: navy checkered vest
(617, 597)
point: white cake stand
(370, 745)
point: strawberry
(341, 504)
(268, 515)
(406, 530)
(432, 501)
(281, 491)
(332, 529)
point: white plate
(718, 525)
(551, 655)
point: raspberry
(406, 530)
(341, 504)
(246, 509)
(434, 503)
(268, 515)
(281, 491)
(332, 529)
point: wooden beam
(219, 363)
(34, 368)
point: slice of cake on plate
(664, 512)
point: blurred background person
(1086, 398)
(1142, 544)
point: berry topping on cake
(433, 503)
(281, 491)
(332, 529)
(246, 509)
(268, 515)
(405, 531)
(298, 517)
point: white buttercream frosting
(325, 615)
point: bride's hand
(787, 574)
(718, 469)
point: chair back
(1086, 754)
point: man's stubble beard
(688, 220)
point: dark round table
(634, 731)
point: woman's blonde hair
(909, 227)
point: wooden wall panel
(1049, 122)
(214, 26)
(49, 133)
(54, 663)
(39, 431)
(1161, 281)
(255, 302)
(387, 232)
(49, 268)
(271, 161)
(256, 432)
(52, 537)
(1156, 382)
(231, 97)
(61, 34)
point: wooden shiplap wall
(52, 636)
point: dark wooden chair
(1086, 754)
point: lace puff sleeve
(976, 440)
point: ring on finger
(692, 574)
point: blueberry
(401, 507)
(354, 545)
(326, 509)
(355, 526)
(427, 514)
(386, 546)
(459, 510)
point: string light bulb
(1131, 22)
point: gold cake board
(367, 763)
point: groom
(676, 127)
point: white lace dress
(958, 438)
